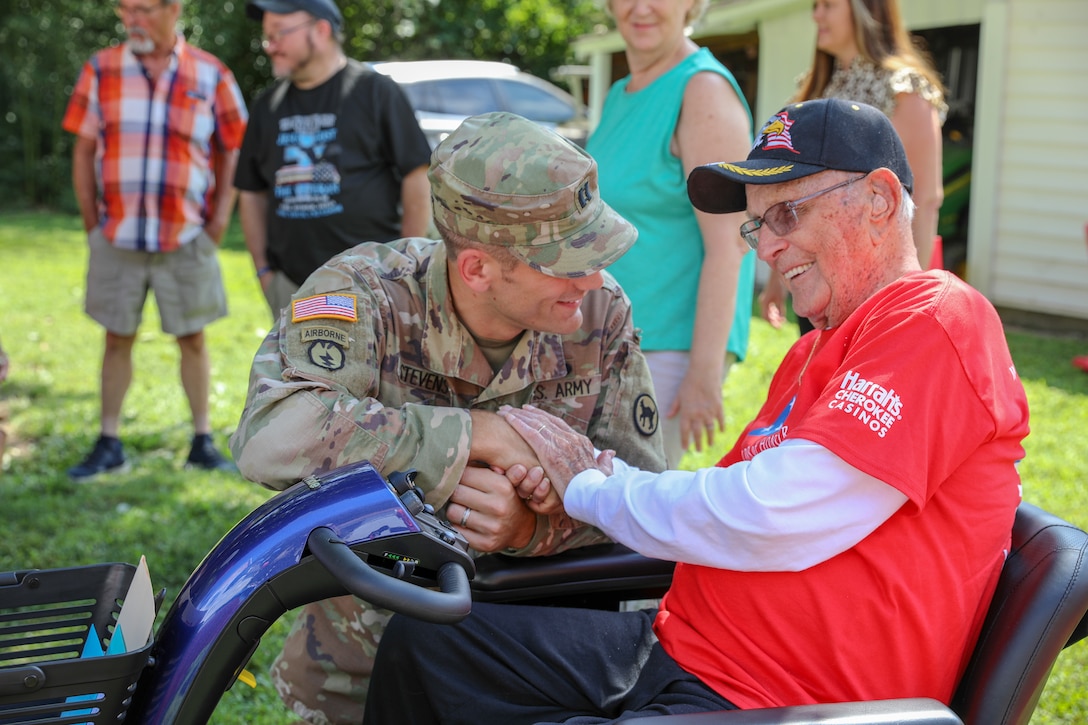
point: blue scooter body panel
(252, 576)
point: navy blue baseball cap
(320, 9)
(800, 140)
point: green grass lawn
(49, 406)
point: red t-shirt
(918, 389)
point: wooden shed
(1017, 72)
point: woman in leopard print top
(864, 53)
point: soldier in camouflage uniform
(400, 353)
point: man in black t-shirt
(333, 155)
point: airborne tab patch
(327, 334)
(333, 307)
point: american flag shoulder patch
(336, 307)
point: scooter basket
(46, 618)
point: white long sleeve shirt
(787, 509)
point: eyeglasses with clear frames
(276, 37)
(142, 12)
(782, 217)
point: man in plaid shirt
(158, 125)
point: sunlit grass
(174, 516)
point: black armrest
(604, 568)
(913, 711)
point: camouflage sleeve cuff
(435, 442)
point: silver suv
(445, 92)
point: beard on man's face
(138, 41)
(293, 69)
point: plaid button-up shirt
(157, 141)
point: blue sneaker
(106, 457)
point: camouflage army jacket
(373, 364)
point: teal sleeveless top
(643, 181)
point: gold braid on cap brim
(774, 171)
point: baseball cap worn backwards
(320, 9)
(502, 179)
(800, 140)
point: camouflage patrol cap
(502, 179)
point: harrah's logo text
(870, 403)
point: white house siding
(786, 46)
(1037, 144)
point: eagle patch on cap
(775, 134)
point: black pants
(514, 664)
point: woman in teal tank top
(689, 275)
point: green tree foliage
(39, 54)
(44, 43)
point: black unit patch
(325, 354)
(645, 413)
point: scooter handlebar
(449, 605)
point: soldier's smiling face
(524, 299)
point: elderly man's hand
(562, 451)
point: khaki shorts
(187, 284)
